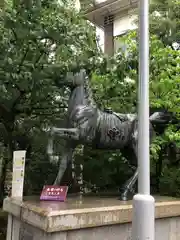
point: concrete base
(89, 218)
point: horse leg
(66, 158)
(66, 133)
(68, 151)
(129, 186)
(131, 182)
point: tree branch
(38, 59)
(22, 60)
(5, 113)
(15, 35)
(4, 133)
(21, 92)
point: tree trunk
(6, 160)
(2, 180)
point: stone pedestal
(86, 219)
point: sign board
(54, 193)
(18, 174)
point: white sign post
(143, 202)
(19, 158)
(18, 174)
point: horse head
(73, 80)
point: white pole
(143, 202)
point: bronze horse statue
(86, 124)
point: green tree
(39, 42)
(86, 4)
(115, 86)
(164, 20)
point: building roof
(116, 8)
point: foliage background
(40, 41)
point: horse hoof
(127, 195)
(123, 198)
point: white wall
(77, 4)
(99, 1)
(100, 36)
(121, 25)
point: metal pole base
(143, 217)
